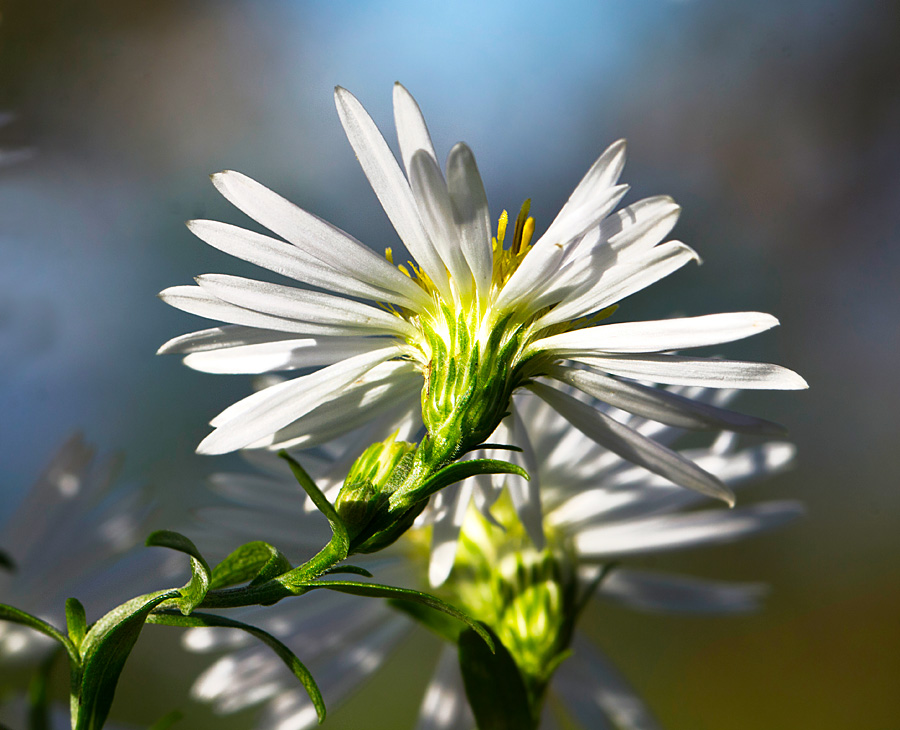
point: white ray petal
(661, 405)
(632, 446)
(194, 300)
(659, 592)
(706, 372)
(312, 235)
(293, 354)
(390, 186)
(657, 336)
(678, 532)
(217, 338)
(433, 202)
(597, 695)
(412, 132)
(304, 305)
(445, 531)
(269, 410)
(472, 215)
(444, 705)
(620, 281)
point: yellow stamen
(389, 255)
(527, 232)
(501, 227)
(520, 224)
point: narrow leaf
(172, 618)
(460, 470)
(38, 704)
(194, 591)
(17, 616)
(354, 569)
(436, 621)
(256, 562)
(376, 590)
(494, 685)
(76, 621)
(105, 649)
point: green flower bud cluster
(528, 597)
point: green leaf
(438, 622)
(15, 615)
(167, 720)
(494, 685)
(105, 650)
(460, 470)
(256, 562)
(194, 591)
(172, 618)
(376, 590)
(76, 621)
(6, 562)
(354, 569)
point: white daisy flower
(469, 321)
(69, 537)
(598, 509)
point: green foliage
(167, 720)
(76, 621)
(494, 685)
(172, 618)
(194, 591)
(6, 562)
(255, 562)
(15, 615)
(460, 470)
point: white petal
(620, 281)
(668, 532)
(216, 338)
(293, 354)
(472, 215)
(657, 336)
(445, 531)
(595, 693)
(387, 180)
(593, 186)
(632, 446)
(314, 236)
(662, 405)
(304, 305)
(194, 300)
(385, 388)
(638, 227)
(269, 410)
(412, 132)
(444, 706)
(706, 372)
(658, 592)
(433, 201)
(297, 263)
(525, 493)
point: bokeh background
(776, 124)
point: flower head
(469, 320)
(599, 508)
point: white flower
(68, 538)
(598, 508)
(467, 323)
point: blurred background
(776, 124)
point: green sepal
(194, 591)
(376, 590)
(353, 569)
(38, 700)
(17, 616)
(167, 720)
(6, 562)
(460, 470)
(76, 621)
(172, 618)
(495, 447)
(256, 562)
(436, 621)
(494, 685)
(105, 650)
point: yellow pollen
(520, 226)
(501, 227)
(389, 255)
(527, 232)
